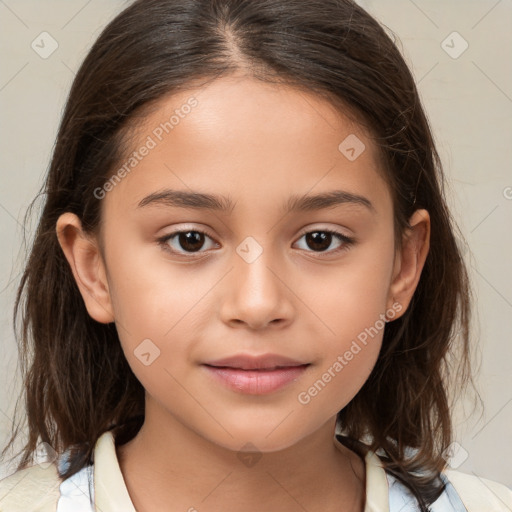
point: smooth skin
(258, 144)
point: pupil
(319, 237)
(190, 242)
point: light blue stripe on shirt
(77, 491)
(402, 500)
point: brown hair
(78, 383)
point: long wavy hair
(77, 382)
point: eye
(321, 239)
(190, 240)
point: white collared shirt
(104, 483)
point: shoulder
(35, 488)
(480, 493)
(40, 489)
(462, 493)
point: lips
(255, 375)
(250, 362)
(255, 382)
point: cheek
(354, 295)
(151, 293)
(351, 307)
(338, 380)
(158, 305)
(347, 350)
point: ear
(86, 262)
(409, 261)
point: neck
(169, 467)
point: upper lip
(261, 362)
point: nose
(256, 293)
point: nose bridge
(252, 262)
(256, 294)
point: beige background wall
(467, 93)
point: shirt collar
(377, 487)
(111, 494)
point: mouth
(256, 381)
(264, 369)
(266, 362)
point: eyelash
(347, 241)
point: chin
(259, 438)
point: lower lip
(256, 382)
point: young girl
(245, 291)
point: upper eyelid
(301, 233)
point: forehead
(248, 139)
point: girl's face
(257, 277)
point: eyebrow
(296, 203)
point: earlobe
(84, 258)
(410, 260)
